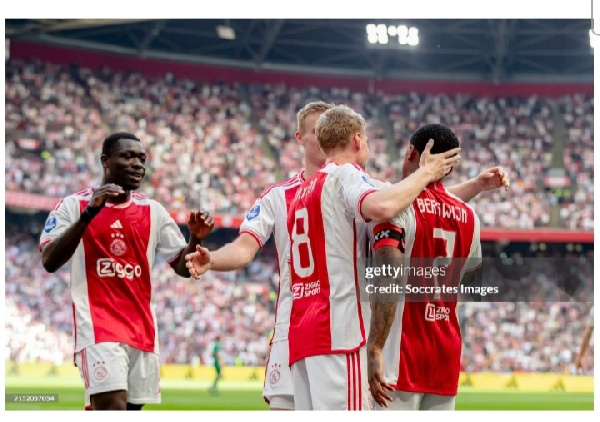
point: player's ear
(104, 161)
(357, 141)
(299, 138)
(411, 154)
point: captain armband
(387, 234)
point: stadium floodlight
(380, 34)
(226, 32)
(383, 39)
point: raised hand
(101, 194)
(200, 224)
(493, 178)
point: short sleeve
(260, 220)
(64, 215)
(591, 320)
(170, 239)
(354, 186)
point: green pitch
(194, 395)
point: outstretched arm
(232, 256)
(489, 179)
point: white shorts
(278, 390)
(113, 366)
(332, 382)
(406, 400)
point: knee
(113, 400)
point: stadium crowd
(514, 335)
(219, 145)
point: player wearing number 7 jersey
(328, 234)
(414, 344)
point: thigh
(144, 377)
(301, 386)
(103, 367)
(437, 402)
(278, 379)
(337, 382)
(404, 400)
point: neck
(310, 169)
(342, 157)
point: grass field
(194, 395)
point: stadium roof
(498, 50)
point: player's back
(328, 236)
(437, 226)
(268, 217)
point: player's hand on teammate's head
(438, 165)
(198, 262)
(104, 192)
(200, 224)
(493, 178)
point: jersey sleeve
(260, 220)
(170, 239)
(591, 320)
(355, 185)
(475, 259)
(64, 215)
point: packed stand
(515, 133)
(278, 105)
(524, 337)
(202, 149)
(240, 306)
(219, 145)
(578, 114)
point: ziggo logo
(107, 267)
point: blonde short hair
(336, 127)
(311, 108)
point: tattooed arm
(383, 312)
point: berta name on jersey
(443, 210)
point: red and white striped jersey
(269, 216)
(328, 235)
(111, 290)
(423, 350)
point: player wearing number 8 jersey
(326, 223)
(268, 217)
(421, 334)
